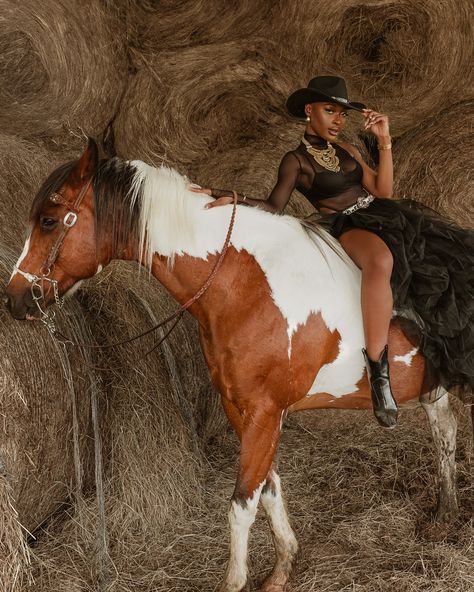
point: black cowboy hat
(321, 88)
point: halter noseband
(37, 281)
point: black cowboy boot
(385, 407)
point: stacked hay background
(201, 86)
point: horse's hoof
(446, 516)
(270, 587)
(274, 583)
(234, 587)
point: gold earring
(308, 118)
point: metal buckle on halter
(362, 202)
(70, 219)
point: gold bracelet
(384, 146)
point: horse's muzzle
(21, 305)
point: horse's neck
(184, 279)
(177, 239)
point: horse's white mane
(166, 210)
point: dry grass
(361, 502)
(14, 551)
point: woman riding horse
(410, 257)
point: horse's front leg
(260, 431)
(444, 427)
(286, 545)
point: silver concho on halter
(70, 219)
(362, 202)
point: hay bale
(221, 79)
(153, 23)
(184, 104)
(42, 393)
(14, 553)
(56, 60)
(45, 439)
(408, 60)
(433, 163)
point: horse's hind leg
(284, 538)
(259, 434)
(444, 427)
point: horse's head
(61, 249)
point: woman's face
(327, 119)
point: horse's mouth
(30, 317)
(21, 307)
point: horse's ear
(108, 141)
(89, 161)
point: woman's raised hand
(377, 123)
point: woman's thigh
(367, 250)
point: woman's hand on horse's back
(220, 201)
(197, 189)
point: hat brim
(296, 101)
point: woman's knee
(368, 251)
(380, 262)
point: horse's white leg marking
(241, 517)
(24, 253)
(443, 427)
(286, 545)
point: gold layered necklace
(326, 157)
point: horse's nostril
(6, 300)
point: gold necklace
(326, 157)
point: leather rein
(37, 281)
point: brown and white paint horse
(280, 326)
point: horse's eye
(48, 223)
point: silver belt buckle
(362, 202)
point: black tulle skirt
(432, 282)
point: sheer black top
(323, 188)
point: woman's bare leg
(374, 258)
